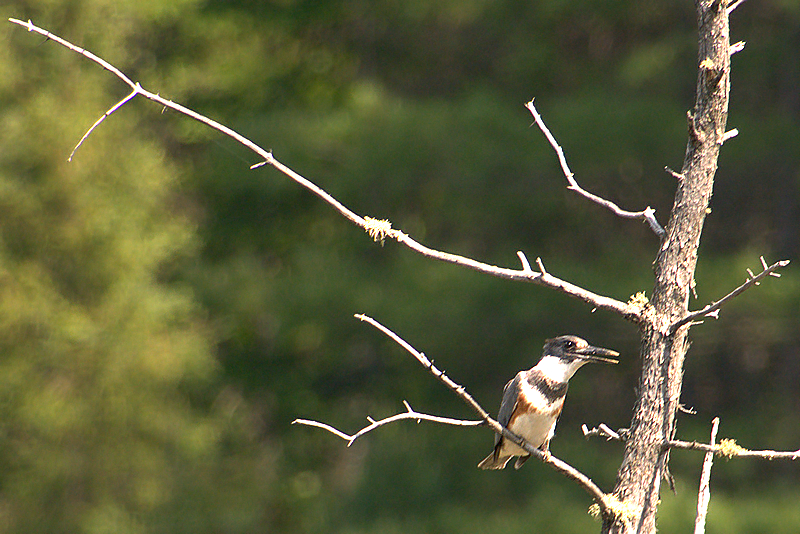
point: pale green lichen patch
(377, 229)
(638, 300)
(728, 448)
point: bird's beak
(597, 354)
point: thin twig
(648, 214)
(729, 449)
(730, 134)
(752, 280)
(114, 108)
(409, 414)
(606, 502)
(366, 223)
(138, 89)
(427, 364)
(526, 266)
(540, 264)
(603, 431)
(674, 174)
(734, 5)
(100, 61)
(704, 493)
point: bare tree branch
(635, 499)
(730, 449)
(737, 47)
(734, 5)
(674, 174)
(138, 89)
(526, 265)
(726, 447)
(648, 214)
(377, 229)
(752, 280)
(607, 503)
(428, 364)
(408, 414)
(730, 134)
(114, 108)
(603, 431)
(704, 493)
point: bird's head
(564, 355)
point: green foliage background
(165, 313)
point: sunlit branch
(648, 214)
(704, 492)
(373, 424)
(606, 502)
(377, 228)
(733, 5)
(604, 431)
(752, 280)
(114, 108)
(726, 447)
(729, 449)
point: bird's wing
(508, 404)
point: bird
(533, 399)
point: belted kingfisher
(533, 400)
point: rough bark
(644, 464)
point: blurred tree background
(165, 313)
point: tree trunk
(663, 351)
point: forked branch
(378, 229)
(752, 280)
(607, 503)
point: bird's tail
(494, 461)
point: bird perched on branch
(533, 400)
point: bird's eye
(569, 344)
